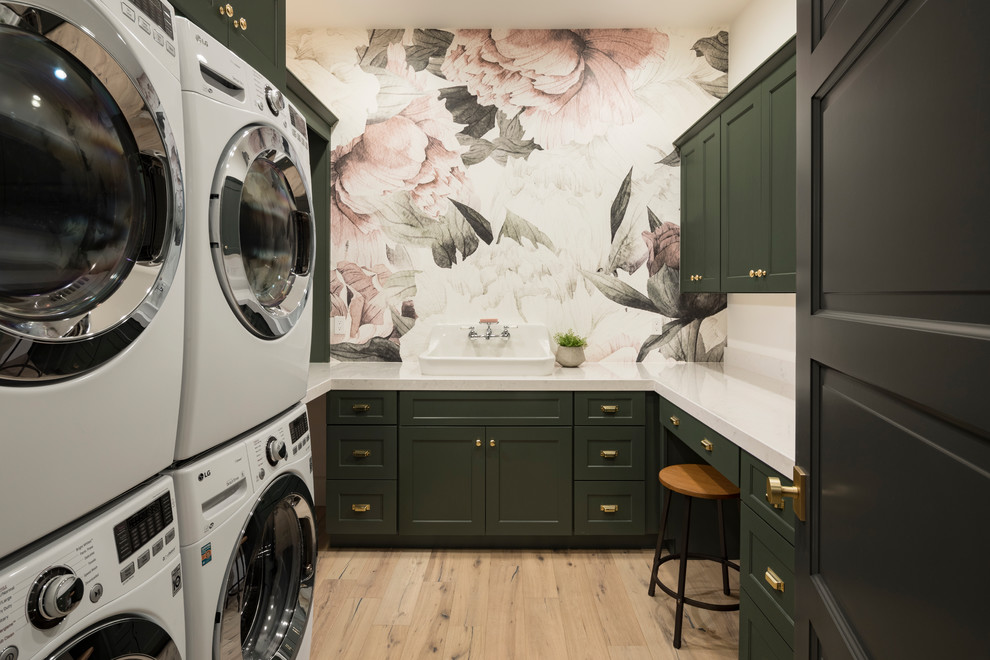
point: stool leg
(725, 553)
(682, 575)
(656, 556)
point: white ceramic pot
(570, 356)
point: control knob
(53, 596)
(276, 102)
(276, 450)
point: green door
(779, 99)
(528, 481)
(207, 14)
(262, 42)
(701, 210)
(442, 480)
(742, 227)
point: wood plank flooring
(373, 604)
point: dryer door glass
(88, 198)
(121, 638)
(261, 231)
(265, 606)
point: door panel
(779, 97)
(743, 229)
(893, 337)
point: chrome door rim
(138, 298)
(248, 145)
(147, 639)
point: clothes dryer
(250, 247)
(91, 269)
(107, 587)
(248, 542)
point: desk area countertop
(753, 411)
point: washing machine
(248, 544)
(107, 586)
(91, 270)
(250, 247)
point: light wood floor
(501, 604)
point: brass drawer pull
(610, 508)
(361, 407)
(707, 444)
(361, 453)
(774, 580)
(360, 508)
(610, 410)
(675, 420)
(610, 453)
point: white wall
(761, 326)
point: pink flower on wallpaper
(415, 151)
(664, 244)
(570, 85)
(356, 295)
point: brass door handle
(610, 453)
(361, 407)
(777, 492)
(360, 508)
(707, 444)
(610, 508)
(675, 420)
(492, 442)
(610, 410)
(361, 453)
(477, 443)
(773, 580)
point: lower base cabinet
(758, 639)
(361, 506)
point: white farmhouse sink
(526, 352)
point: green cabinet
(738, 184)
(484, 480)
(701, 209)
(253, 29)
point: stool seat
(701, 481)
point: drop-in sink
(525, 352)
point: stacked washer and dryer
(154, 276)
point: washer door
(121, 638)
(262, 231)
(264, 608)
(90, 196)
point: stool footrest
(727, 607)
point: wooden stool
(704, 482)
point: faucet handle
(488, 321)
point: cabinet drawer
(753, 490)
(758, 639)
(361, 507)
(486, 408)
(609, 453)
(710, 446)
(765, 556)
(609, 507)
(361, 452)
(610, 408)
(372, 407)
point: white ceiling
(450, 14)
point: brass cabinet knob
(707, 444)
(360, 508)
(610, 508)
(243, 23)
(477, 443)
(675, 421)
(610, 453)
(752, 273)
(491, 442)
(361, 407)
(229, 11)
(361, 453)
(773, 580)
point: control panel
(151, 21)
(279, 445)
(96, 562)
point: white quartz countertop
(753, 411)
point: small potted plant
(570, 348)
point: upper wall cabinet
(253, 29)
(738, 186)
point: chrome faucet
(472, 335)
(488, 331)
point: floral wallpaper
(527, 175)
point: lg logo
(202, 41)
(204, 475)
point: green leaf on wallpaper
(401, 285)
(510, 140)
(376, 52)
(518, 228)
(398, 256)
(394, 94)
(445, 236)
(664, 289)
(620, 203)
(452, 235)
(376, 349)
(654, 220)
(465, 109)
(654, 342)
(620, 292)
(478, 149)
(402, 324)
(717, 87)
(715, 49)
(673, 159)
(427, 44)
(684, 345)
(481, 227)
